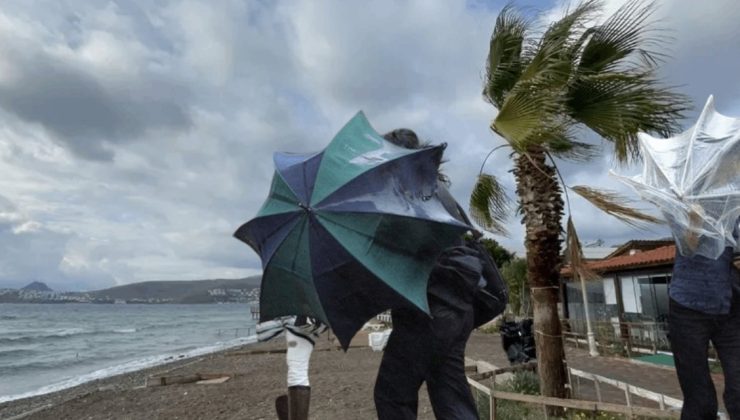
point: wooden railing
(624, 338)
(664, 401)
(668, 405)
(620, 337)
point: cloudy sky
(136, 135)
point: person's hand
(736, 263)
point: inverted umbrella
(694, 179)
(351, 231)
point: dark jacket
(704, 284)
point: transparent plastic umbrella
(694, 179)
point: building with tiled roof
(637, 245)
(632, 286)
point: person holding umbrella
(432, 349)
(351, 231)
(694, 179)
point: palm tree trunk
(540, 198)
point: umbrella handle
(475, 232)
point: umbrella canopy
(694, 179)
(351, 231)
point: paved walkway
(655, 378)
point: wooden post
(627, 394)
(492, 406)
(570, 382)
(492, 399)
(598, 390)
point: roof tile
(657, 256)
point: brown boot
(299, 398)
(281, 406)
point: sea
(49, 347)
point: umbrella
(694, 179)
(351, 231)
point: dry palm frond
(574, 254)
(489, 204)
(614, 205)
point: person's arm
(695, 223)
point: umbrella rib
(302, 232)
(694, 129)
(716, 195)
(328, 196)
(451, 222)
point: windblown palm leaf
(489, 204)
(504, 64)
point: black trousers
(419, 350)
(690, 333)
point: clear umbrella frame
(694, 180)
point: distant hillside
(193, 291)
(38, 287)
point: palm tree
(576, 76)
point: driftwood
(273, 351)
(188, 379)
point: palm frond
(566, 29)
(552, 56)
(615, 205)
(531, 111)
(574, 253)
(503, 65)
(564, 146)
(489, 204)
(624, 35)
(618, 105)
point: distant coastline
(244, 290)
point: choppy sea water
(47, 347)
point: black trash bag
(518, 341)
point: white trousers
(297, 356)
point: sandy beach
(342, 387)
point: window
(610, 293)
(631, 295)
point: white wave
(45, 334)
(131, 366)
(63, 332)
(125, 330)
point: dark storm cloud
(84, 113)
